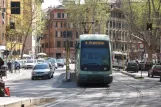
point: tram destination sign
(94, 43)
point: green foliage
(91, 11)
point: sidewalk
(20, 101)
(132, 74)
(11, 76)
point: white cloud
(48, 3)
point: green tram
(93, 59)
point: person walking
(9, 64)
(1, 70)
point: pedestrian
(1, 64)
(17, 66)
(9, 64)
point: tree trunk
(150, 53)
(23, 46)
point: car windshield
(30, 61)
(132, 63)
(41, 66)
(157, 67)
(59, 60)
(40, 60)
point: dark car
(145, 65)
(132, 66)
(155, 71)
(60, 62)
(43, 70)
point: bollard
(7, 91)
(2, 87)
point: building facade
(118, 30)
(3, 4)
(58, 31)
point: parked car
(23, 61)
(60, 62)
(40, 60)
(30, 63)
(132, 66)
(43, 70)
(53, 62)
(155, 71)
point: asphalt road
(124, 91)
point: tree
(25, 23)
(140, 13)
(89, 17)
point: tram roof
(94, 37)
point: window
(65, 25)
(46, 45)
(71, 43)
(58, 44)
(64, 44)
(56, 24)
(42, 45)
(62, 15)
(59, 15)
(3, 36)
(56, 33)
(77, 35)
(61, 24)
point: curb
(131, 75)
(27, 102)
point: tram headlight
(105, 68)
(85, 68)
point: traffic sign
(141, 46)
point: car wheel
(148, 74)
(49, 77)
(152, 75)
(32, 78)
(52, 75)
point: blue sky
(48, 3)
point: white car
(30, 63)
(40, 60)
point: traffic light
(149, 26)
(12, 25)
(15, 7)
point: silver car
(42, 70)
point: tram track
(62, 100)
(140, 94)
(104, 95)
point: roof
(94, 37)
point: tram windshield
(95, 56)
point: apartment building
(118, 30)
(3, 4)
(58, 31)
